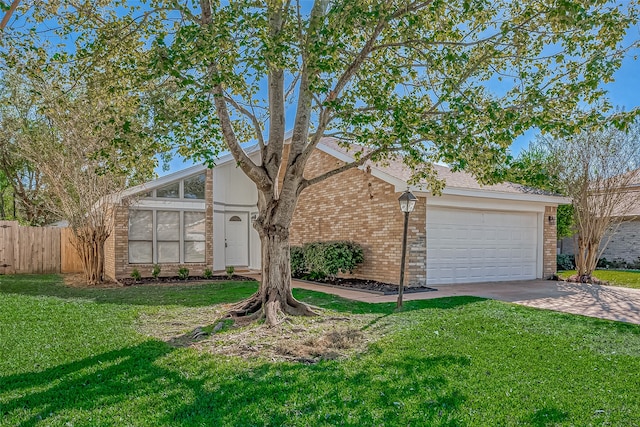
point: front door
(236, 239)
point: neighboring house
(622, 242)
(202, 218)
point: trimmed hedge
(318, 260)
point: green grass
(73, 357)
(622, 278)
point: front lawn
(623, 278)
(75, 357)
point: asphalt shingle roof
(463, 180)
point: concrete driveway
(606, 302)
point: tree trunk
(586, 259)
(274, 299)
(89, 243)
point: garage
(467, 246)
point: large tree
(453, 81)
(19, 176)
(83, 128)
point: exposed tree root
(272, 310)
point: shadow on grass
(547, 417)
(152, 384)
(337, 303)
(201, 295)
(188, 295)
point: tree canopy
(452, 81)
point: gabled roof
(181, 174)
(457, 183)
(393, 172)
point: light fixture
(407, 202)
(552, 220)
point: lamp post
(407, 203)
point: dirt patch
(77, 280)
(175, 280)
(579, 279)
(298, 339)
(370, 285)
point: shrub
(565, 262)
(135, 274)
(156, 271)
(207, 274)
(634, 265)
(230, 269)
(183, 273)
(298, 267)
(618, 263)
(328, 259)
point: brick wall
(117, 246)
(550, 243)
(359, 207)
(620, 244)
(109, 253)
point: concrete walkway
(606, 302)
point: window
(164, 236)
(194, 236)
(194, 187)
(140, 236)
(171, 191)
(168, 236)
(191, 188)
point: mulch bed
(370, 285)
(176, 279)
(594, 280)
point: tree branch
(251, 116)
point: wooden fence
(70, 261)
(36, 250)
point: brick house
(620, 243)
(471, 233)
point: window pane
(194, 226)
(140, 252)
(194, 187)
(194, 251)
(168, 252)
(171, 191)
(168, 225)
(140, 225)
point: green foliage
(135, 274)
(183, 273)
(155, 272)
(536, 167)
(381, 74)
(207, 274)
(326, 259)
(565, 223)
(565, 262)
(298, 266)
(229, 270)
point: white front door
(236, 232)
(466, 246)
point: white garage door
(466, 246)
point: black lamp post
(407, 203)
